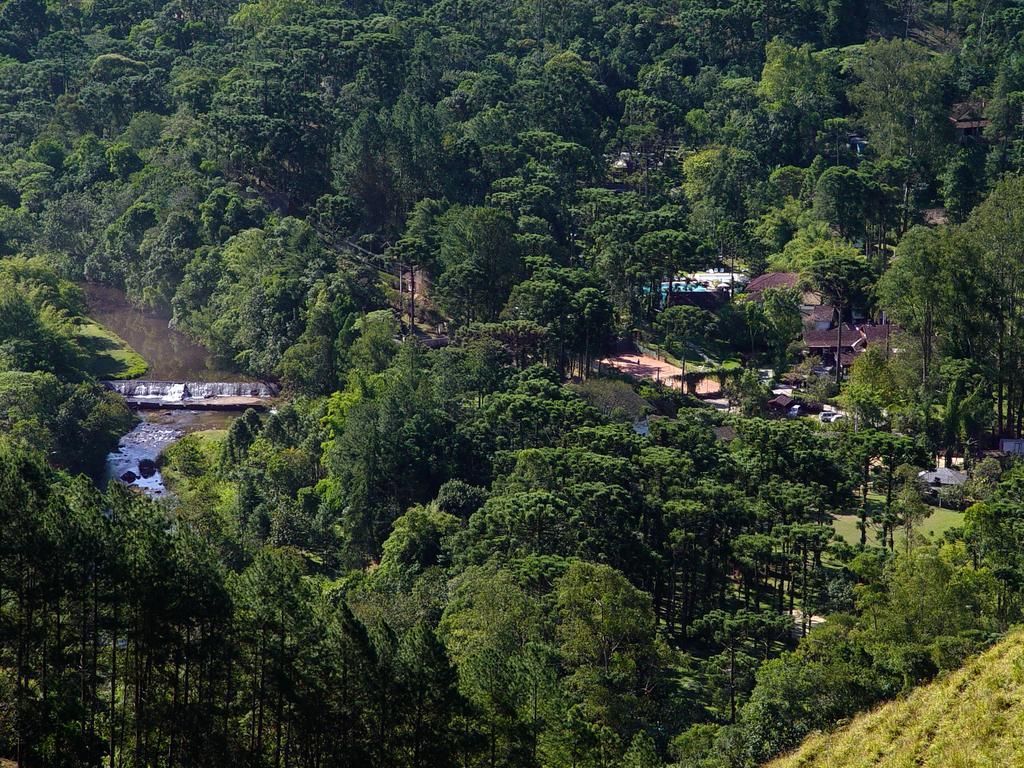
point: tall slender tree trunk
(864, 505)
(839, 344)
(999, 380)
(113, 688)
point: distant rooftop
(773, 280)
(968, 115)
(822, 313)
(943, 476)
(852, 338)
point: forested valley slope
(633, 383)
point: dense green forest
(461, 537)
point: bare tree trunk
(839, 346)
(999, 381)
(412, 297)
(113, 689)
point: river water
(172, 357)
(135, 460)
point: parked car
(831, 417)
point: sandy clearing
(647, 367)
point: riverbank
(136, 462)
(126, 342)
(171, 355)
(109, 356)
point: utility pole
(401, 291)
(412, 297)
(839, 347)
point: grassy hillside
(936, 524)
(973, 717)
(110, 356)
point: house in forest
(784, 405)
(760, 284)
(791, 280)
(969, 121)
(819, 318)
(822, 343)
(942, 477)
(881, 335)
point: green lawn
(940, 521)
(706, 359)
(210, 441)
(110, 357)
(719, 361)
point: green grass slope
(110, 356)
(973, 717)
(936, 524)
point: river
(135, 460)
(171, 357)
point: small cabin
(969, 121)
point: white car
(830, 417)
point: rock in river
(129, 477)
(147, 468)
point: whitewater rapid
(187, 391)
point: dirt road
(646, 367)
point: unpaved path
(647, 367)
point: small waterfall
(177, 393)
(185, 391)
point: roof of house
(855, 338)
(852, 338)
(943, 476)
(773, 280)
(781, 401)
(879, 334)
(820, 313)
(969, 114)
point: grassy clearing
(110, 357)
(187, 465)
(940, 521)
(207, 443)
(706, 359)
(210, 441)
(723, 363)
(972, 718)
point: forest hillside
(504, 383)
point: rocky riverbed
(135, 462)
(164, 417)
